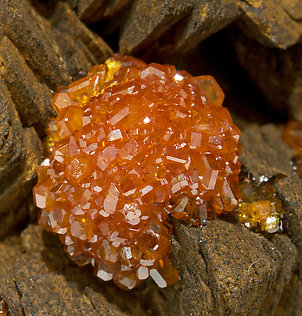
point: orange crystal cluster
(131, 145)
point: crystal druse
(132, 145)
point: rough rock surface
(270, 158)
(277, 73)
(20, 153)
(225, 269)
(263, 152)
(273, 23)
(36, 56)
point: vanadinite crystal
(260, 208)
(132, 145)
(3, 307)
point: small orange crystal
(132, 144)
(4, 309)
(260, 208)
(292, 136)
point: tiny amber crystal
(132, 145)
(260, 207)
(4, 309)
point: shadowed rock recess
(225, 269)
(277, 73)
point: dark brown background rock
(36, 57)
(225, 270)
(274, 157)
(277, 73)
(272, 22)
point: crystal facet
(260, 208)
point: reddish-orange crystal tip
(131, 145)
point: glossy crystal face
(132, 145)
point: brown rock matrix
(131, 144)
(184, 24)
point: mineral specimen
(132, 145)
(260, 208)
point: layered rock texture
(225, 269)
